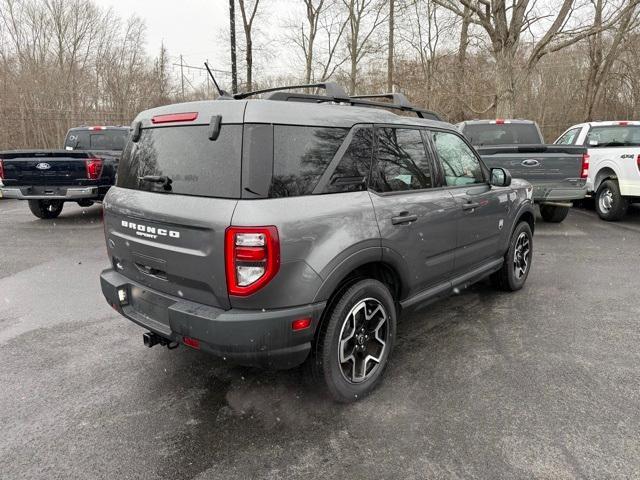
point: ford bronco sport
(298, 227)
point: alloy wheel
(521, 255)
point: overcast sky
(197, 29)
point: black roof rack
(332, 89)
(335, 93)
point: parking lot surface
(543, 383)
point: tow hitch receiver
(150, 339)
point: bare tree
(506, 22)
(232, 41)
(390, 42)
(364, 16)
(248, 12)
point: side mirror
(500, 177)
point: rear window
(300, 157)
(614, 136)
(184, 155)
(110, 139)
(506, 134)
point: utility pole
(182, 76)
(232, 30)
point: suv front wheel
(355, 341)
(517, 262)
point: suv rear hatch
(43, 168)
(166, 219)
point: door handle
(403, 218)
(470, 206)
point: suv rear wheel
(517, 263)
(610, 204)
(553, 214)
(355, 341)
(46, 209)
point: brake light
(585, 166)
(94, 168)
(252, 258)
(1, 170)
(637, 164)
(97, 128)
(499, 121)
(623, 124)
(175, 117)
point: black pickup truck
(82, 172)
(557, 172)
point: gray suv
(296, 228)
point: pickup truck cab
(82, 172)
(614, 169)
(557, 172)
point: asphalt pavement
(542, 383)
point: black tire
(325, 362)
(46, 209)
(610, 204)
(85, 203)
(510, 278)
(553, 214)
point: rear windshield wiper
(164, 181)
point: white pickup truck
(614, 163)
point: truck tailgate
(538, 164)
(43, 168)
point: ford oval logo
(43, 166)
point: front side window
(614, 136)
(569, 138)
(300, 157)
(402, 162)
(460, 165)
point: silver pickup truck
(558, 173)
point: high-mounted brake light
(97, 128)
(499, 121)
(252, 258)
(94, 168)
(623, 124)
(1, 170)
(585, 166)
(175, 117)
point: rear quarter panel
(319, 235)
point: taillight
(94, 168)
(585, 166)
(252, 258)
(637, 163)
(1, 170)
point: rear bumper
(544, 193)
(253, 338)
(49, 193)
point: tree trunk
(461, 64)
(505, 83)
(249, 60)
(232, 39)
(390, 51)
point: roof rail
(331, 88)
(335, 93)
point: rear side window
(569, 138)
(614, 136)
(352, 172)
(402, 162)
(505, 134)
(194, 164)
(300, 157)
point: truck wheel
(46, 209)
(610, 204)
(517, 262)
(553, 214)
(85, 203)
(355, 341)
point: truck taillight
(94, 168)
(252, 258)
(585, 166)
(1, 170)
(637, 164)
